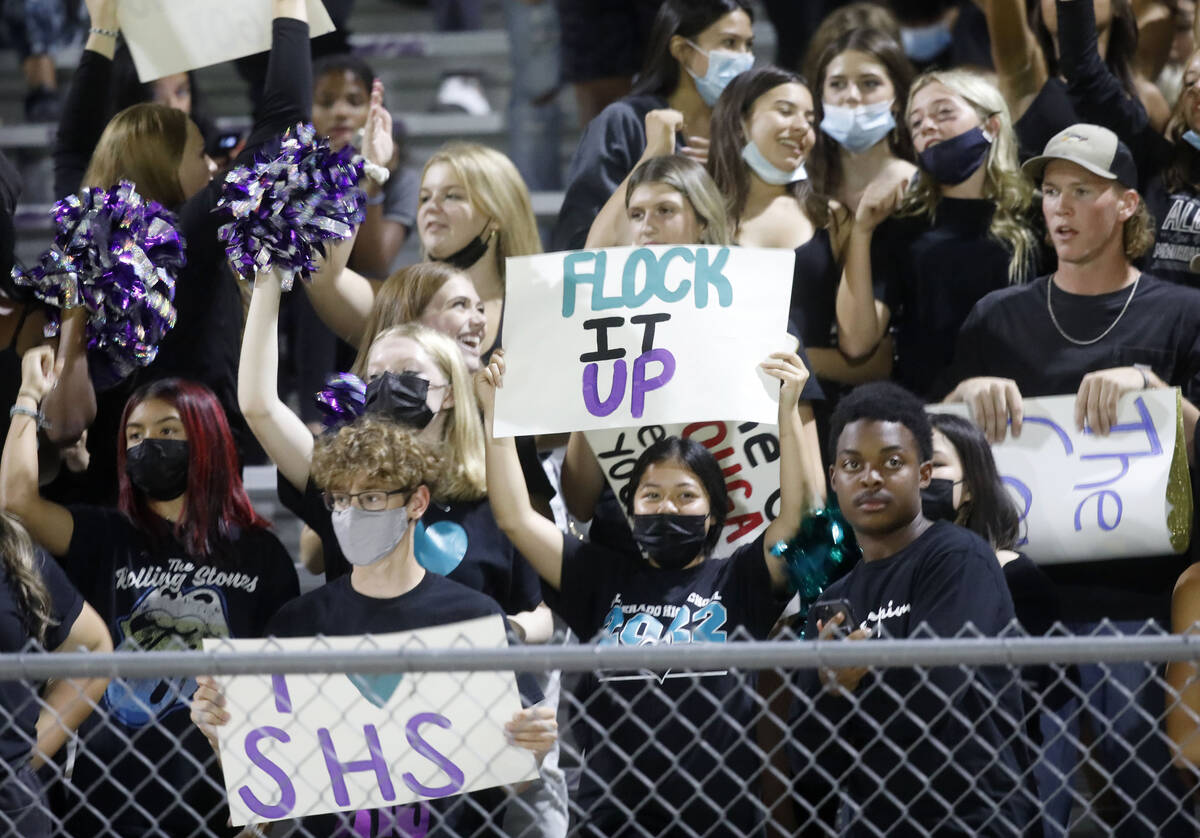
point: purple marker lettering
(642, 385)
(287, 792)
(591, 392)
(338, 769)
(283, 699)
(412, 731)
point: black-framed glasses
(371, 500)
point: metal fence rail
(1057, 735)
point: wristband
(36, 415)
(108, 33)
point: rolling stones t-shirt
(156, 597)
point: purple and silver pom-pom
(285, 208)
(341, 400)
(117, 255)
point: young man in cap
(1099, 328)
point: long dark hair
(217, 507)
(1122, 42)
(725, 162)
(659, 75)
(989, 510)
(702, 463)
(825, 161)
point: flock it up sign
(630, 336)
(1082, 496)
(302, 745)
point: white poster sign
(309, 744)
(173, 36)
(631, 336)
(747, 452)
(1083, 496)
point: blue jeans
(1125, 705)
(534, 117)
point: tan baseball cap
(1092, 146)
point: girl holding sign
(962, 231)
(183, 557)
(698, 767)
(763, 132)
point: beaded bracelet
(110, 33)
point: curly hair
(1137, 236)
(1004, 184)
(377, 451)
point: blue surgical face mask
(1192, 138)
(767, 170)
(722, 67)
(857, 129)
(925, 43)
(954, 160)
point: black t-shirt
(18, 702)
(946, 578)
(930, 276)
(815, 277)
(608, 151)
(672, 746)
(336, 609)
(491, 564)
(1010, 334)
(1177, 239)
(155, 596)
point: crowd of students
(986, 202)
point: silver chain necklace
(1102, 335)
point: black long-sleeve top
(1097, 94)
(204, 345)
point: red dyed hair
(216, 506)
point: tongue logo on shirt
(377, 689)
(440, 547)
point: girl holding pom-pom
(184, 557)
(161, 151)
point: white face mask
(857, 129)
(767, 170)
(366, 537)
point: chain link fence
(1056, 735)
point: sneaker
(462, 93)
(41, 105)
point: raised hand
(37, 373)
(488, 380)
(661, 127)
(791, 371)
(378, 145)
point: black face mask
(400, 397)
(470, 253)
(158, 467)
(671, 540)
(952, 161)
(937, 500)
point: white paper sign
(747, 452)
(1084, 497)
(174, 36)
(649, 335)
(309, 744)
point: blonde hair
(1004, 184)
(494, 186)
(143, 143)
(376, 449)
(28, 588)
(464, 478)
(1138, 232)
(401, 299)
(695, 184)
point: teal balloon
(440, 547)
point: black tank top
(814, 291)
